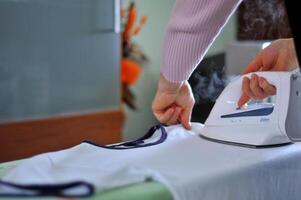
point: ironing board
(227, 172)
(145, 191)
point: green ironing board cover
(145, 191)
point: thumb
(243, 99)
(255, 65)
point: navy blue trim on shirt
(65, 189)
(137, 143)
(44, 190)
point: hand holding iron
(173, 103)
(280, 55)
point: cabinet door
(58, 57)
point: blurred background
(146, 86)
(72, 70)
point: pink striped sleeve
(193, 26)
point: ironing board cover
(192, 168)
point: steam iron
(258, 124)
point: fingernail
(239, 104)
(189, 126)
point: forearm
(193, 26)
(292, 56)
(167, 86)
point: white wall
(151, 40)
(227, 35)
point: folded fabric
(189, 166)
(77, 171)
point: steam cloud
(208, 87)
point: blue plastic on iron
(251, 113)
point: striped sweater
(193, 26)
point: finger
(247, 89)
(186, 115)
(246, 92)
(165, 116)
(258, 93)
(268, 88)
(175, 117)
(243, 100)
(255, 65)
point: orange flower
(137, 30)
(143, 20)
(122, 12)
(130, 22)
(130, 71)
(142, 23)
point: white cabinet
(58, 57)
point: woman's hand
(173, 103)
(280, 55)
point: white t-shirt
(189, 166)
